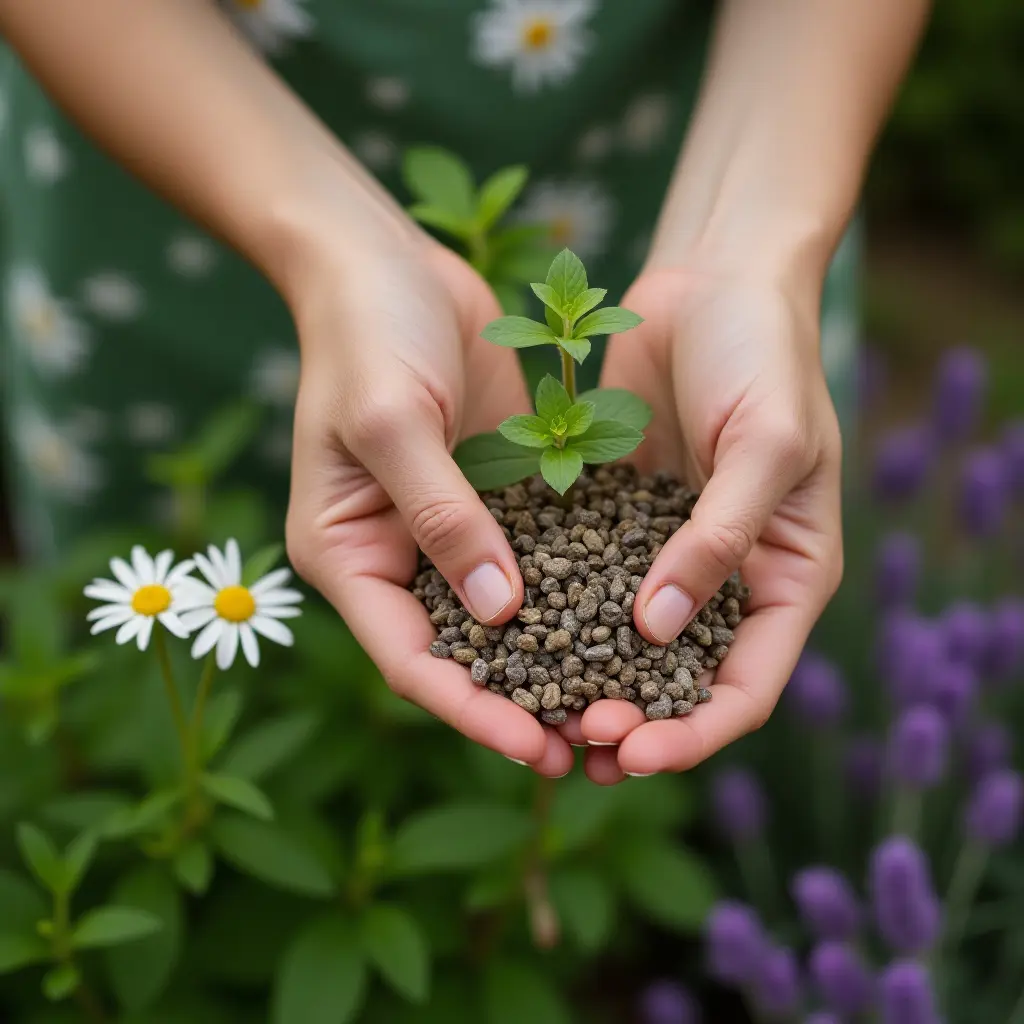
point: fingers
(607, 722)
(602, 767)
(557, 759)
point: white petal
(220, 564)
(143, 565)
(161, 564)
(145, 632)
(104, 610)
(193, 594)
(250, 646)
(272, 630)
(179, 573)
(280, 611)
(270, 581)
(120, 568)
(129, 629)
(107, 590)
(207, 638)
(118, 618)
(227, 646)
(173, 625)
(276, 597)
(234, 562)
(207, 569)
(196, 618)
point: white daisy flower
(275, 377)
(228, 613)
(375, 150)
(57, 462)
(144, 592)
(387, 93)
(150, 422)
(270, 24)
(46, 158)
(542, 41)
(645, 121)
(191, 255)
(579, 215)
(112, 296)
(56, 340)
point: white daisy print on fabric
(191, 255)
(387, 93)
(54, 458)
(229, 614)
(112, 296)
(55, 340)
(579, 215)
(46, 158)
(145, 592)
(150, 422)
(646, 121)
(270, 24)
(275, 377)
(542, 41)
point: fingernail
(486, 591)
(641, 775)
(579, 744)
(668, 612)
(516, 760)
(601, 743)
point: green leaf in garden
(530, 431)
(19, 949)
(225, 436)
(490, 460)
(84, 810)
(322, 977)
(509, 296)
(41, 857)
(561, 467)
(551, 399)
(238, 793)
(60, 982)
(442, 220)
(147, 814)
(619, 405)
(610, 320)
(140, 971)
(112, 925)
(554, 321)
(498, 193)
(668, 883)
(259, 563)
(21, 903)
(585, 905)
(606, 441)
(193, 866)
(492, 887)
(586, 301)
(580, 812)
(458, 836)
(222, 714)
(552, 302)
(269, 745)
(396, 946)
(518, 332)
(516, 993)
(272, 855)
(440, 179)
(77, 858)
(578, 348)
(567, 277)
(578, 418)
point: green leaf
(41, 857)
(586, 301)
(238, 793)
(606, 441)
(498, 193)
(140, 971)
(610, 320)
(77, 858)
(561, 467)
(579, 418)
(59, 983)
(222, 714)
(442, 220)
(458, 836)
(551, 399)
(84, 810)
(518, 332)
(554, 321)
(578, 348)
(272, 855)
(668, 883)
(193, 867)
(269, 745)
(515, 993)
(322, 977)
(440, 179)
(620, 405)
(568, 277)
(580, 812)
(18, 950)
(112, 925)
(395, 944)
(490, 461)
(261, 562)
(150, 812)
(21, 902)
(552, 302)
(530, 431)
(585, 905)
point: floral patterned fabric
(125, 327)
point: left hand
(731, 368)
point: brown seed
(703, 695)
(559, 568)
(528, 642)
(479, 672)
(558, 640)
(555, 717)
(660, 708)
(538, 675)
(649, 691)
(592, 541)
(551, 697)
(602, 652)
(600, 634)
(526, 700)
(681, 707)
(588, 605)
(439, 649)
(572, 665)
(465, 655)
(721, 635)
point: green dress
(125, 326)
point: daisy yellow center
(538, 33)
(235, 604)
(41, 319)
(151, 599)
(562, 230)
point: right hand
(394, 373)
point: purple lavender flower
(967, 630)
(919, 747)
(668, 1002)
(739, 804)
(984, 493)
(959, 395)
(906, 909)
(1012, 447)
(989, 748)
(903, 460)
(863, 766)
(776, 989)
(816, 692)
(843, 981)
(1005, 654)
(897, 569)
(955, 689)
(822, 1018)
(910, 647)
(735, 943)
(827, 903)
(993, 814)
(906, 996)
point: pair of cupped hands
(395, 373)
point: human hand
(731, 369)
(394, 372)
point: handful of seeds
(573, 640)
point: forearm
(794, 96)
(171, 92)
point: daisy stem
(195, 731)
(173, 696)
(568, 373)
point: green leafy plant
(567, 429)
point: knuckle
(728, 544)
(440, 526)
(384, 418)
(786, 438)
(834, 572)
